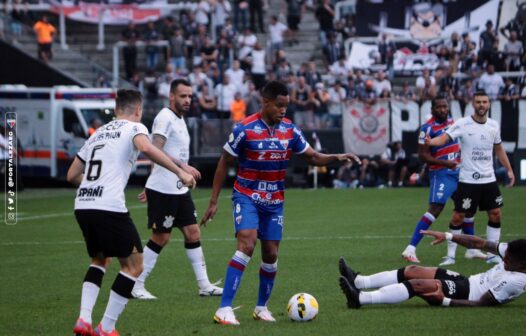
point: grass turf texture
(43, 261)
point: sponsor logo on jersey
(284, 143)
(499, 286)
(466, 203)
(91, 192)
(476, 175)
(168, 221)
(451, 287)
(238, 139)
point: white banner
(401, 123)
(366, 128)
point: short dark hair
(176, 82)
(480, 93)
(127, 100)
(435, 99)
(273, 89)
(517, 251)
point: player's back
(109, 155)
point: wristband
(449, 236)
(446, 302)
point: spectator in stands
(198, 78)
(454, 44)
(346, 177)
(353, 91)
(102, 82)
(509, 91)
(295, 10)
(513, 50)
(277, 30)
(393, 160)
(491, 82)
(150, 87)
(45, 32)
(167, 33)
(283, 69)
(245, 44)
(256, 9)
(236, 74)
(214, 73)
(253, 99)
(515, 25)
(178, 52)
(407, 92)
(369, 95)
(337, 98)
(151, 37)
(340, 69)
(240, 14)
(421, 80)
(19, 14)
(325, 16)
(487, 38)
(224, 47)
(221, 11)
(130, 35)
(207, 103)
(381, 83)
(224, 93)
(450, 81)
(300, 97)
(429, 91)
(208, 52)
(201, 13)
(312, 75)
(321, 99)
(466, 92)
(523, 92)
(258, 68)
(333, 50)
(386, 48)
(238, 108)
(467, 52)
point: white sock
(452, 246)
(493, 234)
(90, 292)
(395, 293)
(115, 307)
(376, 280)
(150, 259)
(197, 259)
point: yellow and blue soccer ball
(302, 307)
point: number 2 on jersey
(94, 165)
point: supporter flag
(366, 128)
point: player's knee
(435, 209)
(410, 271)
(494, 215)
(161, 238)
(457, 219)
(192, 234)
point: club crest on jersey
(498, 200)
(11, 123)
(168, 221)
(284, 143)
(282, 129)
(466, 203)
(257, 129)
(179, 184)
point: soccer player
(102, 168)
(502, 283)
(479, 136)
(262, 144)
(169, 201)
(443, 176)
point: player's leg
(468, 228)
(267, 275)
(491, 201)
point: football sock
(195, 255)
(234, 273)
(90, 291)
(150, 255)
(376, 280)
(394, 293)
(423, 224)
(267, 274)
(493, 233)
(451, 245)
(119, 295)
(468, 227)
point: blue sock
(423, 224)
(234, 273)
(468, 227)
(267, 274)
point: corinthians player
(102, 168)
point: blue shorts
(249, 216)
(442, 186)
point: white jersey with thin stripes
(503, 285)
(177, 145)
(476, 148)
(109, 155)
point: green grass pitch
(43, 261)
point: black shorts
(469, 197)
(166, 211)
(111, 233)
(44, 47)
(454, 285)
(293, 22)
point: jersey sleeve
(137, 129)
(235, 141)
(455, 131)
(502, 248)
(424, 132)
(83, 152)
(497, 140)
(299, 144)
(161, 125)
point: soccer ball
(302, 307)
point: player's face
(440, 110)
(481, 105)
(275, 109)
(180, 99)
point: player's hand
(436, 297)
(192, 171)
(511, 176)
(427, 140)
(142, 197)
(187, 179)
(349, 157)
(439, 236)
(209, 214)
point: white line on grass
(74, 242)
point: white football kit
(109, 155)
(476, 143)
(503, 285)
(173, 128)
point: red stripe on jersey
(250, 119)
(447, 150)
(269, 176)
(277, 195)
(268, 155)
(263, 134)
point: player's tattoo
(159, 141)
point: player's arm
(503, 158)
(316, 158)
(438, 141)
(159, 141)
(76, 172)
(225, 161)
(486, 299)
(143, 144)
(424, 154)
(468, 241)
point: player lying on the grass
(504, 282)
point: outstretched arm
(319, 159)
(438, 141)
(485, 300)
(472, 242)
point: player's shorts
(166, 211)
(469, 197)
(249, 215)
(454, 285)
(111, 233)
(442, 186)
